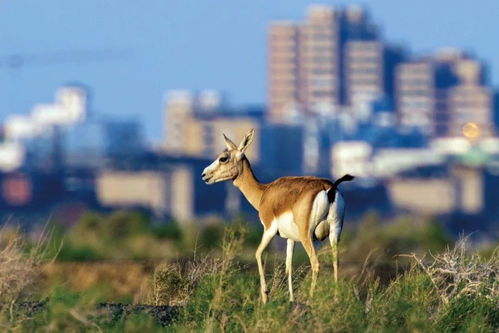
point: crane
(18, 61)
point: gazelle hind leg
(307, 217)
(314, 262)
(266, 238)
(289, 268)
(335, 219)
(334, 250)
(334, 238)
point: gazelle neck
(247, 183)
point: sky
(129, 53)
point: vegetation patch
(389, 282)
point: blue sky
(158, 45)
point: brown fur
(294, 194)
(284, 194)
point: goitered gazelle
(299, 209)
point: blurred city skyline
(130, 54)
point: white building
(69, 108)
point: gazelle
(299, 209)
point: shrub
(78, 252)
(169, 231)
(18, 273)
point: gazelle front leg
(266, 238)
(289, 268)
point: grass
(227, 300)
(395, 286)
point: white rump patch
(320, 209)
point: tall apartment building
(194, 124)
(417, 95)
(364, 77)
(369, 70)
(332, 58)
(444, 95)
(284, 73)
(319, 60)
(470, 102)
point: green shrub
(78, 252)
(211, 235)
(170, 231)
(123, 224)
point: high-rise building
(444, 95)
(332, 58)
(283, 69)
(319, 60)
(470, 102)
(364, 71)
(417, 95)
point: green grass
(455, 290)
(228, 301)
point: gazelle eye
(223, 159)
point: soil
(164, 314)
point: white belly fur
(287, 227)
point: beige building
(470, 103)
(284, 69)
(304, 64)
(319, 60)
(179, 112)
(193, 130)
(444, 95)
(462, 190)
(164, 193)
(205, 138)
(364, 72)
(425, 196)
(416, 95)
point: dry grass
(456, 273)
(18, 273)
(174, 283)
(121, 278)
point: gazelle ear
(248, 139)
(228, 142)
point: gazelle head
(229, 163)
